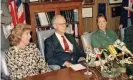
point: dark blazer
(132, 16)
(124, 14)
(55, 54)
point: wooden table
(69, 74)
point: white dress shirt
(62, 43)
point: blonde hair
(16, 33)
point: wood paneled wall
(90, 24)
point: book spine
(37, 19)
(75, 15)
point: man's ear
(54, 25)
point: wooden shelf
(53, 6)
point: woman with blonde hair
(23, 57)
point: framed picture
(33, 0)
(88, 2)
(102, 8)
(115, 1)
(116, 11)
(87, 12)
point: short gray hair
(55, 17)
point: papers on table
(77, 67)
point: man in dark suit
(61, 48)
(125, 7)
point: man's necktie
(65, 44)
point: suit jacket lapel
(69, 38)
(71, 41)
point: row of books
(44, 19)
(70, 15)
(72, 29)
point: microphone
(97, 52)
(121, 45)
(112, 50)
(90, 57)
(89, 53)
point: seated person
(23, 58)
(129, 43)
(61, 48)
(128, 38)
(103, 37)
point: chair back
(42, 35)
(86, 39)
(4, 69)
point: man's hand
(120, 27)
(67, 64)
(128, 8)
(81, 59)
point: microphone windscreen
(112, 50)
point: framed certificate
(115, 1)
(87, 12)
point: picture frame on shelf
(85, 2)
(33, 0)
(115, 1)
(87, 12)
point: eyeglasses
(61, 24)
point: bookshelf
(57, 7)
